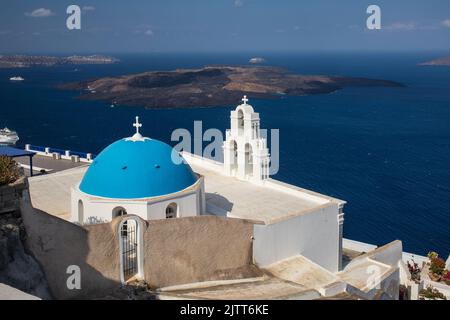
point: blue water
(386, 151)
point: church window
(171, 211)
(240, 119)
(80, 212)
(118, 211)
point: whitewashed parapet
(357, 246)
(58, 154)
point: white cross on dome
(137, 136)
(137, 125)
(245, 100)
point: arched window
(240, 119)
(171, 211)
(118, 211)
(248, 160)
(80, 212)
(235, 155)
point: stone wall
(186, 250)
(58, 244)
(11, 194)
(175, 251)
(18, 268)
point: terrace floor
(46, 163)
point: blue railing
(82, 154)
(61, 151)
(37, 148)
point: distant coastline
(444, 61)
(27, 61)
(212, 86)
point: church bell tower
(246, 155)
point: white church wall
(187, 206)
(299, 192)
(98, 210)
(206, 163)
(357, 245)
(314, 235)
(102, 211)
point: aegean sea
(385, 150)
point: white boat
(16, 79)
(257, 60)
(8, 137)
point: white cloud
(446, 23)
(40, 13)
(412, 26)
(144, 29)
(238, 3)
(402, 26)
(88, 8)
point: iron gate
(128, 234)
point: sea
(386, 151)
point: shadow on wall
(218, 204)
(58, 244)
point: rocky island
(212, 86)
(25, 61)
(444, 61)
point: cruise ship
(8, 137)
(16, 79)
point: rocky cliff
(18, 268)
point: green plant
(9, 170)
(431, 293)
(437, 266)
(432, 255)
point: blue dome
(137, 169)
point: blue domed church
(141, 176)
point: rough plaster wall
(57, 244)
(194, 249)
(176, 251)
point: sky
(39, 26)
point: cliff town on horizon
(134, 223)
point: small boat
(8, 137)
(257, 60)
(16, 79)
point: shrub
(431, 293)
(437, 265)
(9, 170)
(431, 255)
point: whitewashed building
(148, 178)
(296, 234)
